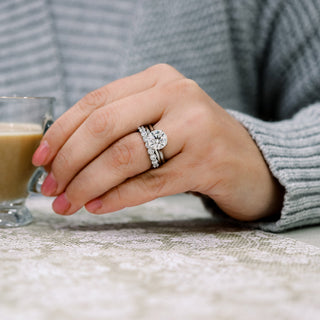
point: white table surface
(164, 260)
(309, 235)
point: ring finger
(126, 158)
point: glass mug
(23, 120)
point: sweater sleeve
(291, 148)
(287, 128)
(288, 131)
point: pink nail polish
(41, 154)
(94, 205)
(49, 185)
(61, 205)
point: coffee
(18, 142)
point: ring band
(158, 151)
(154, 141)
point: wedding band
(154, 141)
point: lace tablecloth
(164, 260)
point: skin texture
(96, 158)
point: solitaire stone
(157, 140)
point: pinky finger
(164, 181)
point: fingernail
(61, 205)
(94, 205)
(49, 185)
(41, 154)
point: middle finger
(105, 126)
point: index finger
(67, 124)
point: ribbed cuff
(291, 148)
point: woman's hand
(97, 158)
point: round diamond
(153, 157)
(157, 140)
(155, 164)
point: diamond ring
(154, 141)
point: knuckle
(121, 155)
(119, 196)
(61, 164)
(93, 98)
(77, 190)
(100, 122)
(57, 127)
(186, 86)
(154, 184)
(162, 68)
(162, 73)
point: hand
(97, 159)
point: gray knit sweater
(260, 59)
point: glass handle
(36, 181)
(47, 124)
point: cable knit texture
(260, 59)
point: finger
(167, 180)
(103, 128)
(65, 126)
(124, 159)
